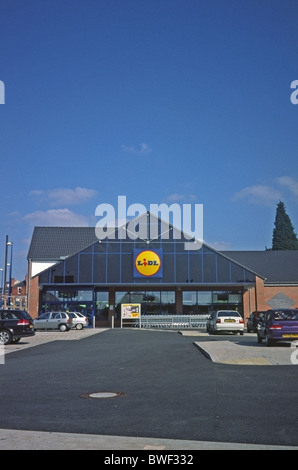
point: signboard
(147, 263)
(130, 312)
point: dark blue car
(278, 325)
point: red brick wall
(33, 301)
(289, 291)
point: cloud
(56, 217)
(143, 149)
(220, 246)
(64, 196)
(177, 197)
(258, 194)
(289, 183)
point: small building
(70, 268)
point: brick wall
(33, 301)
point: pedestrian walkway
(228, 352)
(11, 439)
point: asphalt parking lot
(223, 349)
(142, 369)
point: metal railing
(171, 321)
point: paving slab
(11, 439)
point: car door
(42, 321)
(263, 325)
(55, 320)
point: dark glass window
(168, 268)
(195, 267)
(85, 266)
(99, 269)
(113, 269)
(182, 268)
(223, 269)
(210, 268)
(126, 268)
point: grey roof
(276, 266)
(52, 243)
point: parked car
(78, 320)
(226, 321)
(253, 321)
(278, 325)
(53, 321)
(14, 325)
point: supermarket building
(69, 268)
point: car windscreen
(286, 315)
(228, 313)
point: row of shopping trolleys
(171, 321)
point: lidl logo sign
(148, 263)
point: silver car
(53, 321)
(78, 320)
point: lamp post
(10, 271)
(5, 270)
(1, 287)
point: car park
(253, 321)
(78, 320)
(14, 325)
(229, 321)
(53, 321)
(278, 325)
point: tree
(284, 237)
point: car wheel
(63, 328)
(79, 326)
(259, 339)
(5, 337)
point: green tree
(284, 237)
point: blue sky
(163, 101)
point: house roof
(54, 243)
(276, 266)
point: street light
(1, 287)
(10, 271)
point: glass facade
(202, 302)
(152, 302)
(107, 273)
(114, 265)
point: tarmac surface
(225, 352)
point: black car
(253, 321)
(14, 325)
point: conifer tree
(284, 237)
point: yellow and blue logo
(147, 263)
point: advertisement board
(130, 313)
